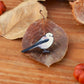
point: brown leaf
(57, 50)
(78, 10)
(14, 23)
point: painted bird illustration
(44, 43)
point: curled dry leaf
(78, 10)
(14, 23)
(57, 50)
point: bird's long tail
(35, 45)
(27, 49)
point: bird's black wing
(35, 45)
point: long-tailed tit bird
(44, 43)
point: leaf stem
(43, 21)
(42, 14)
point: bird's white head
(49, 35)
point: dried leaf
(57, 50)
(78, 10)
(14, 23)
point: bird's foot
(46, 51)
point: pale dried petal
(14, 23)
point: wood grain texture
(15, 68)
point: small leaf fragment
(14, 23)
(39, 29)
